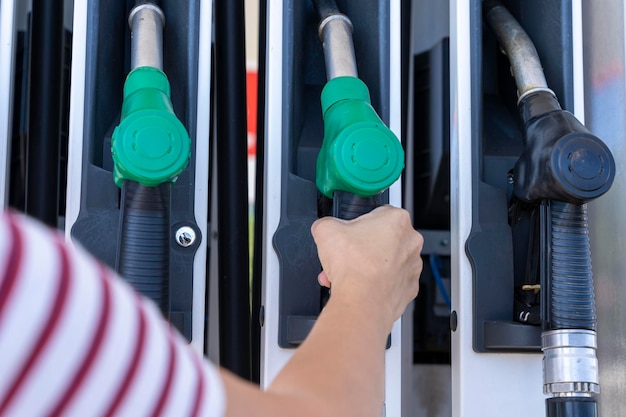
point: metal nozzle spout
(519, 48)
(146, 22)
(336, 34)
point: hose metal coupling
(570, 364)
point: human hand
(372, 262)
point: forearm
(372, 265)
(337, 371)
(341, 364)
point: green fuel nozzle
(359, 153)
(150, 145)
(359, 156)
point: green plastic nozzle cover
(359, 154)
(150, 145)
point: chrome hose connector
(570, 364)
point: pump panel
(500, 243)
(94, 211)
(301, 298)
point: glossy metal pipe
(335, 31)
(519, 48)
(146, 22)
(336, 35)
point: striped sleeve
(77, 341)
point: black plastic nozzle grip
(562, 160)
(349, 206)
(143, 257)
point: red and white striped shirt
(77, 341)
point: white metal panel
(201, 181)
(7, 52)
(483, 384)
(77, 116)
(398, 357)
(604, 28)
(273, 358)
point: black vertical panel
(232, 187)
(257, 260)
(405, 45)
(44, 111)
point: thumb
(323, 280)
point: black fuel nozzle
(562, 160)
(562, 167)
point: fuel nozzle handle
(150, 145)
(562, 160)
(360, 156)
(150, 149)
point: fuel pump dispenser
(500, 175)
(132, 126)
(504, 239)
(562, 167)
(358, 156)
(150, 148)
